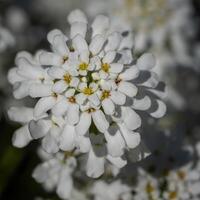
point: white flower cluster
(115, 190)
(88, 89)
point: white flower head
(115, 190)
(89, 88)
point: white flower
(115, 190)
(56, 173)
(6, 39)
(91, 87)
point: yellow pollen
(173, 195)
(149, 188)
(118, 80)
(54, 95)
(181, 175)
(67, 78)
(105, 67)
(72, 99)
(83, 66)
(105, 94)
(65, 58)
(90, 110)
(87, 91)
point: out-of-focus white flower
(115, 190)
(147, 187)
(6, 39)
(89, 88)
(57, 173)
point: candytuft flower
(88, 90)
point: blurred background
(170, 29)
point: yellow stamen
(88, 91)
(72, 99)
(181, 175)
(54, 95)
(105, 67)
(83, 66)
(65, 58)
(173, 195)
(118, 80)
(149, 188)
(105, 94)
(67, 78)
(90, 110)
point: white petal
(27, 69)
(117, 161)
(73, 114)
(152, 81)
(39, 129)
(74, 82)
(40, 173)
(113, 41)
(83, 144)
(127, 42)
(109, 57)
(21, 90)
(161, 110)
(108, 106)
(79, 43)
(65, 186)
(94, 99)
(142, 104)
(78, 28)
(60, 108)
(67, 138)
(131, 119)
(100, 25)
(95, 165)
(80, 98)
(48, 58)
(146, 62)
(59, 86)
(49, 144)
(118, 98)
(115, 142)
(100, 121)
(59, 44)
(116, 67)
(130, 74)
(21, 137)
(43, 105)
(132, 139)
(96, 44)
(56, 72)
(13, 76)
(20, 114)
(40, 90)
(76, 16)
(84, 123)
(128, 88)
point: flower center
(149, 188)
(88, 91)
(105, 67)
(72, 99)
(83, 66)
(54, 95)
(181, 175)
(173, 195)
(65, 58)
(105, 94)
(67, 78)
(90, 110)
